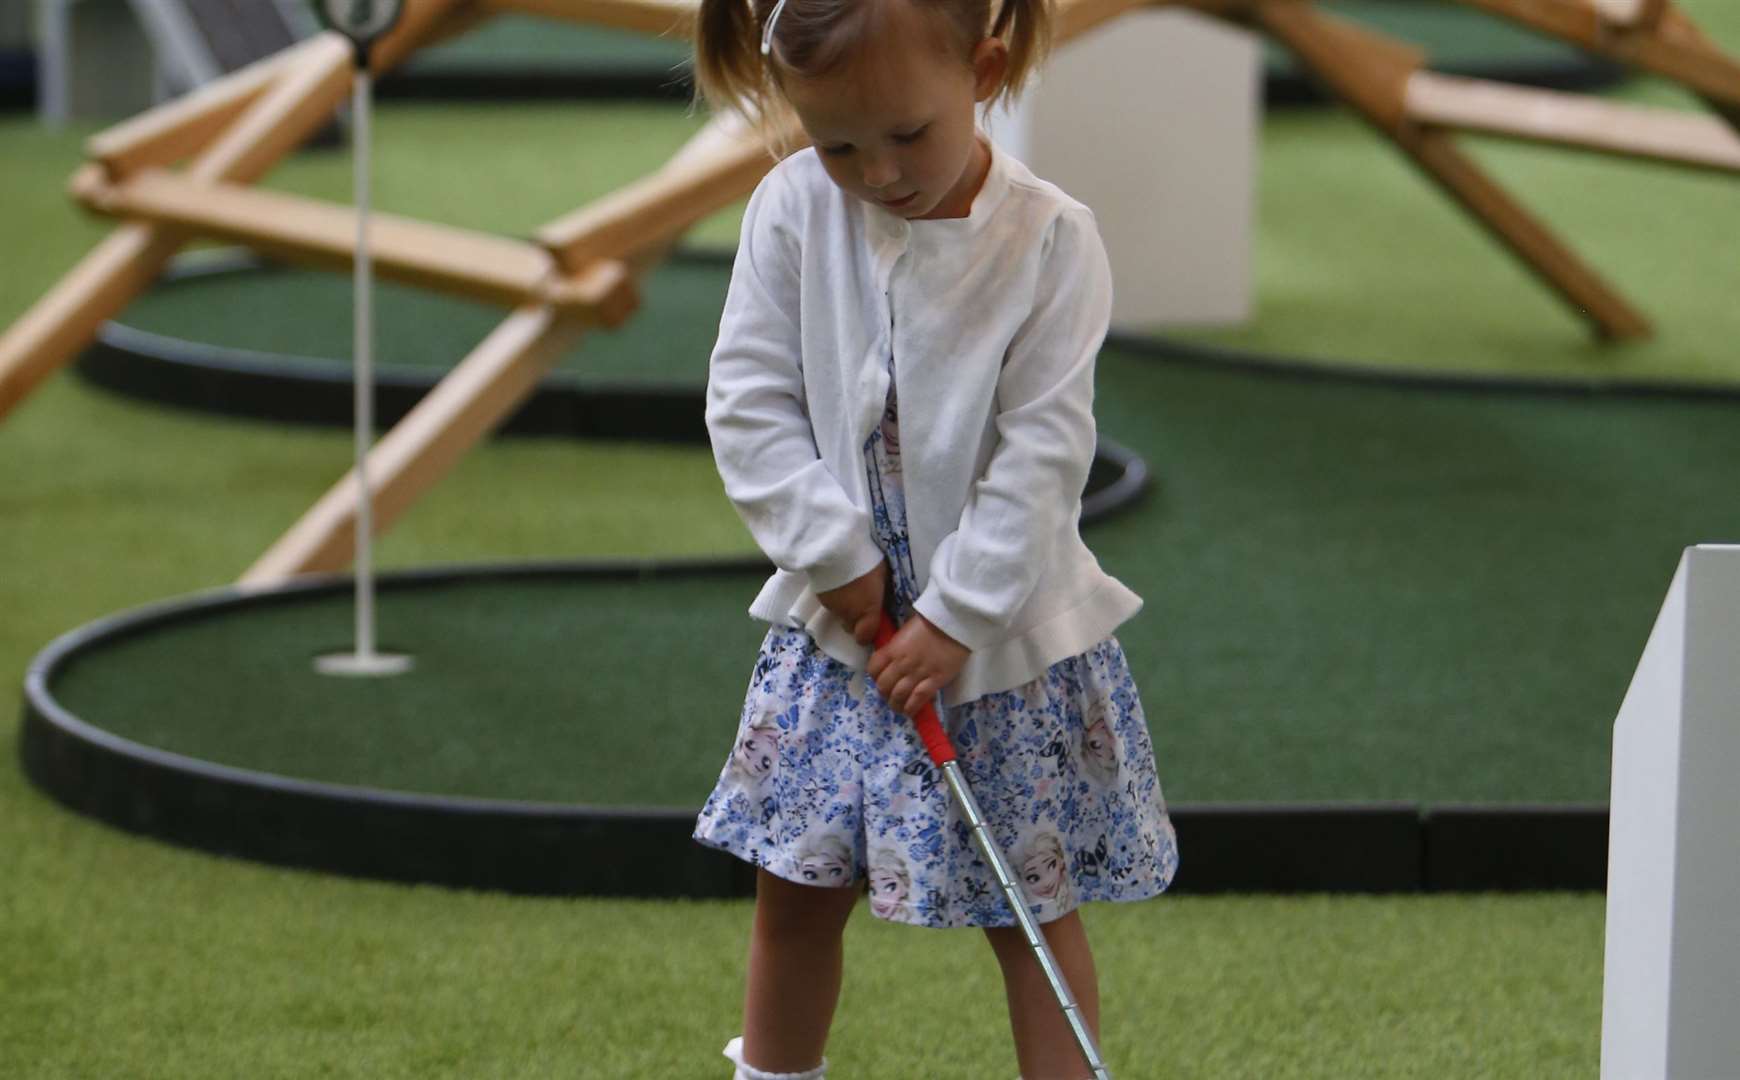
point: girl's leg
(1044, 1044)
(794, 972)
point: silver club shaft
(1029, 928)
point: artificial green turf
(128, 958)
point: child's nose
(880, 172)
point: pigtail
(728, 68)
(732, 75)
(1025, 27)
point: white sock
(734, 1051)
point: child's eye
(912, 137)
(837, 151)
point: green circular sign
(363, 21)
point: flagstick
(365, 661)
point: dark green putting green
(292, 312)
(1355, 592)
(547, 690)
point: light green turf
(126, 958)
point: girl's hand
(858, 604)
(916, 664)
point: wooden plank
(1670, 135)
(664, 18)
(1639, 14)
(721, 164)
(307, 96)
(1373, 78)
(1587, 293)
(462, 409)
(295, 107)
(62, 321)
(1696, 63)
(1369, 70)
(441, 257)
(300, 100)
(176, 129)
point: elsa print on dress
(1099, 745)
(825, 861)
(757, 750)
(890, 883)
(1044, 871)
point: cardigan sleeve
(984, 571)
(756, 416)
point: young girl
(900, 405)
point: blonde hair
(816, 37)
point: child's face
(823, 868)
(755, 753)
(887, 890)
(895, 126)
(1042, 872)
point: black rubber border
(566, 850)
(1312, 369)
(17, 79)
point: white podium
(1153, 121)
(1671, 999)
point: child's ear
(990, 63)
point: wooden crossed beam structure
(580, 272)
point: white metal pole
(364, 660)
(365, 373)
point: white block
(1152, 120)
(1671, 1000)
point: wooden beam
(1368, 70)
(1670, 135)
(62, 321)
(1373, 75)
(1637, 14)
(301, 99)
(462, 409)
(721, 164)
(440, 257)
(307, 96)
(664, 18)
(1589, 295)
(177, 129)
(1694, 62)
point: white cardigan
(994, 321)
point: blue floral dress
(826, 785)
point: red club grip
(930, 730)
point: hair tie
(767, 31)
